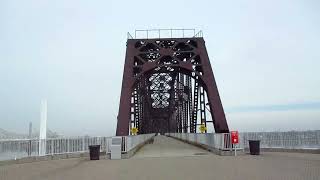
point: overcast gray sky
(265, 56)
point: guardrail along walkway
(267, 166)
(164, 146)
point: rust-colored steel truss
(167, 84)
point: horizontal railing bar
(164, 29)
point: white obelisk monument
(43, 128)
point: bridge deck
(164, 146)
(167, 158)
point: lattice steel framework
(167, 84)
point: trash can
(254, 146)
(94, 152)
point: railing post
(68, 150)
(29, 147)
(52, 151)
(83, 141)
(318, 137)
(281, 137)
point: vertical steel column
(185, 110)
(193, 127)
(136, 107)
(139, 107)
(202, 107)
(179, 104)
(190, 101)
(181, 101)
(185, 103)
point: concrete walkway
(164, 146)
(168, 159)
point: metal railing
(199, 34)
(134, 141)
(164, 33)
(219, 141)
(16, 149)
(285, 140)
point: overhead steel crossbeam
(166, 86)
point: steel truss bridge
(168, 84)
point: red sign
(234, 137)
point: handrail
(199, 34)
(286, 140)
(16, 149)
(164, 33)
